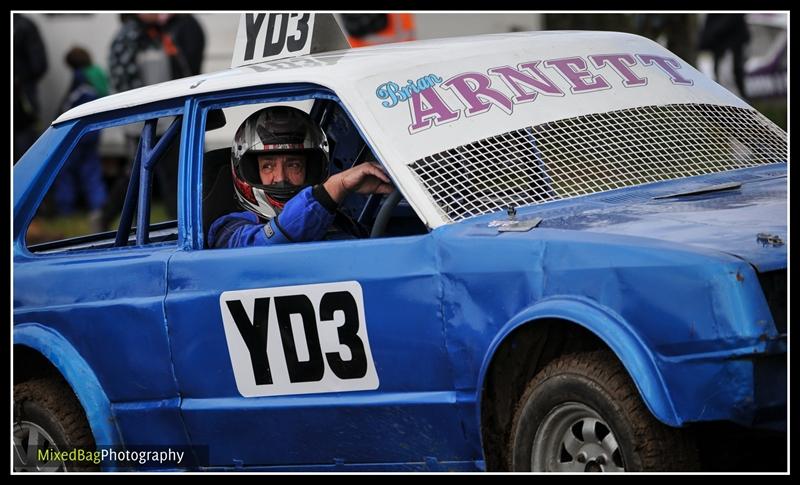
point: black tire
(47, 412)
(582, 412)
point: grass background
(53, 228)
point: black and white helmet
(273, 130)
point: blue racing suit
(306, 217)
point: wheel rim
(28, 438)
(574, 438)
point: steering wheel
(385, 213)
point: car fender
(612, 329)
(84, 383)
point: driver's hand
(367, 178)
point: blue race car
(584, 268)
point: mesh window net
(595, 153)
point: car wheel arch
(31, 339)
(543, 332)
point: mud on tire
(582, 412)
(47, 415)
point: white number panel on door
(298, 339)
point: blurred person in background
(679, 31)
(379, 28)
(149, 49)
(82, 172)
(30, 65)
(584, 21)
(153, 48)
(722, 33)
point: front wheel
(582, 413)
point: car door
(319, 353)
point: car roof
(340, 70)
(333, 69)
(406, 128)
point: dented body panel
(624, 288)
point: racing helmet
(277, 129)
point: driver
(279, 161)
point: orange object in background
(372, 29)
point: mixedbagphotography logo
(44, 457)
